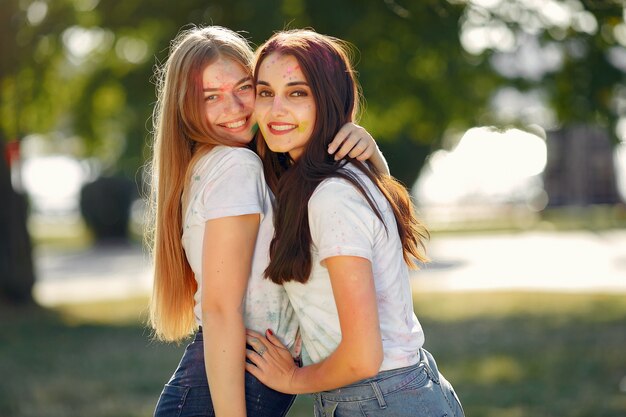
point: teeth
(282, 127)
(235, 125)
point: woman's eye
(265, 93)
(245, 87)
(212, 97)
(299, 93)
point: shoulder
(341, 217)
(233, 155)
(342, 195)
(334, 187)
(331, 186)
(229, 182)
(239, 154)
(334, 192)
(224, 158)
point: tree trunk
(580, 169)
(16, 264)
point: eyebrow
(243, 80)
(291, 84)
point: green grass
(524, 354)
(507, 354)
(592, 217)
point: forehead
(282, 66)
(223, 72)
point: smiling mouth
(235, 124)
(281, 128)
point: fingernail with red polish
(270, 332)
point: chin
(278, 150)
(242, 138)
(275, 148)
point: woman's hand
(354, 141)
(272, 363)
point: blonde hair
(181, 135)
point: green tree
(87, 70)
(572, 53)
(79, 71)
(83, 66)
(16, 266)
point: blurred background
(505, 118)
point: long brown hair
(325, 63)
(181, 135)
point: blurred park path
(593, 261)
(98, 273)
(535, 260)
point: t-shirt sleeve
(341, 221)
(235, 188)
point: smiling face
(229, 100)
(285, 107)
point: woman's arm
(354, 141)
(360, 352)
(228, 248)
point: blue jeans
(418, 390)
(187, 393)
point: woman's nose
(233, 104)
(278, 107)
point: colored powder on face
(263, 129)
(302, 127)
(290, 72)
(292, 69)
(255, 127)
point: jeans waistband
(383, 383)
(199, 338)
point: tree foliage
(573, 53)
(80, 70)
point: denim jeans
(187, 393)
(418, 390)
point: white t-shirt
(342, 223)
(225, 182)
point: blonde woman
(213, 215)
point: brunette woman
(345, 235)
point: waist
(198, 342)
(385, 382)
(394, 357)
(199, 338)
